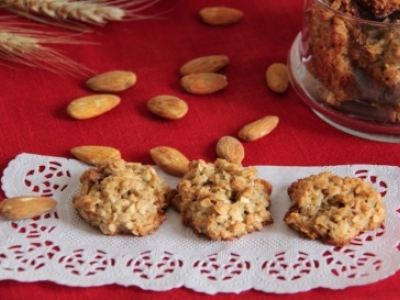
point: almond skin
(259, 128)
(25, 207)
(168, 107)
(231, 149)
(220, 15)
(112, 81)
(211, 63)
(203, 83)
(170, 160)
(94, 155)
(277, 77)
(92, 106)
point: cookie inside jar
(350, 51)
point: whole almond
(92, 106)
(220, 15)
(94, 155)
(112, 81)
(231, 149)
(258, 128)
(203, 83)
(25, 207)
(277, 77)
(168, 107)
(211, 63)
(170, 160)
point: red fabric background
(34, 120)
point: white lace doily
(60, 247)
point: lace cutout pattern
(60, 247)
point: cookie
(334, 209)
(378, 10)
(357, 67)
(223, 200)
(121, 197)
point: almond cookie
(358, 70)
(223, 200)
(121, 197)
(334, 209)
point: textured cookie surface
(353, 70)
(223, 200)
(334, 209)
(120, 197)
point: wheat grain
(26, 46)
(91, 11)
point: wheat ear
(96, 12)
(26, 46)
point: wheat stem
(26, 46)
(90, 11)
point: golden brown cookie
(378, 9)
(120, 197)
(358, 69)
(223, 200)
(334, 209)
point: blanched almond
(277, 77)
(92, 106)
(203, 83)
(170, 160)
(220, 15)
(25, 207)
(231, 149)
(112, 81)
(168, 107)
(258, 128)
(94, 155)
(211, 63)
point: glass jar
(347, 68)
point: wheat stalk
(26, 46)
(96, 12)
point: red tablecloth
(34, 120)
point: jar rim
(355, 19)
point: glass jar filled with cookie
(345, 64)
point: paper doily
(60, 247)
